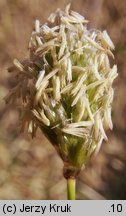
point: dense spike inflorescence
(65, 87)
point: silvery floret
(65, 87)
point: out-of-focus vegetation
(31, 169)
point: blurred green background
(31, 169)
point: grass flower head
(65, 86)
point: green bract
(65, 87)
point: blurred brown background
(31, 169)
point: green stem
(71, 185)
